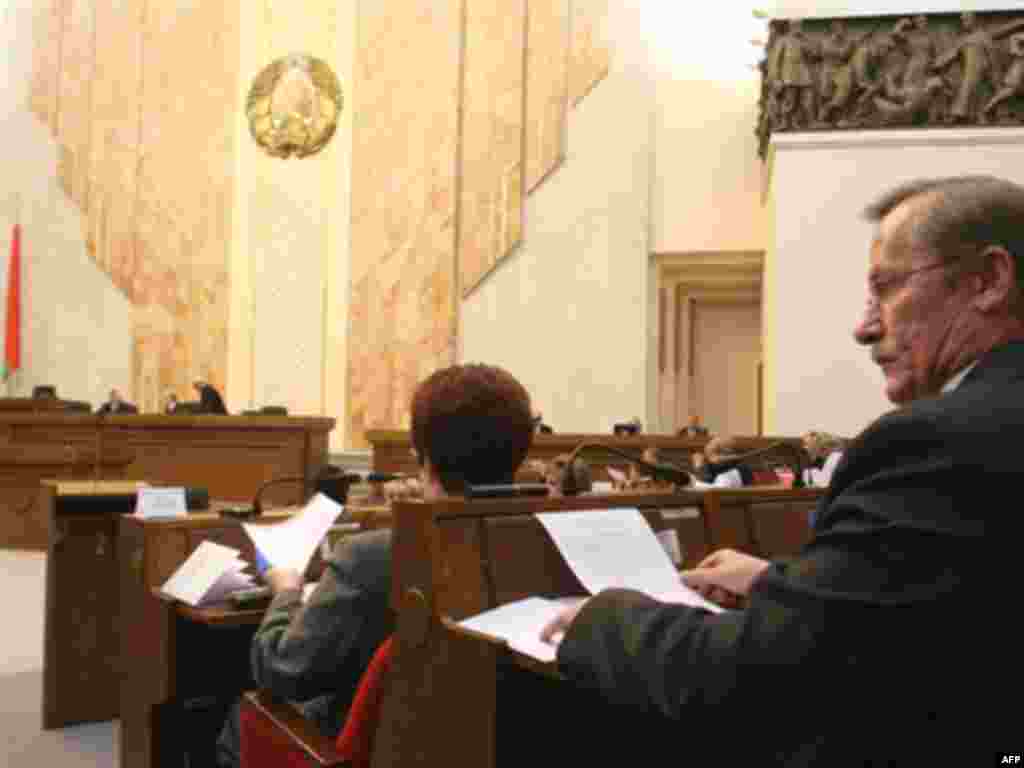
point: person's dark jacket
(873, 646)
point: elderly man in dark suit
(870, 647)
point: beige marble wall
(76, 327)
(590, 56)
(402, 312)
(139, 98)
(547, 82)
(568, 313)
(491, 136)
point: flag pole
(13, 301)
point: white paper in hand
(608, 548)
(291, 544)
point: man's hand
(552, 633)
(725, 576)
(403, 490)
(280, 579)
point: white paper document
(290, 544)
(208, 575)
(519, 624)
(604, 548)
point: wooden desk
(392, 449)
(454, 559)
(169, 664)
(230, 456)
(80, 638)
(181, 667)
(24, 524)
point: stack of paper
(210, 573)
(605, 549)
(214, 571)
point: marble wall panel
(547, 73)
(405, 132)
(590, 56)
(74, 99)
(491, 151)
(140, 97)
(47, 28)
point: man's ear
(997, 280)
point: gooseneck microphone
(330, 480)
(385, 477)
(659, 471)
(798, 459)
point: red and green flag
(12, 339)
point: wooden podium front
(229, 456)
(24, 524)
(80, 640)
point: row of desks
(229, 456)
(114, 649)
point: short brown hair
(474, 423)
(960, 217)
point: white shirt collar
(957, 378)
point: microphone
(798, 460)
(659, 471)
(330, 480)
(385, 477)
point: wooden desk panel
(24, 524)
(230, 456)
(392, 449)
(162, 658)
(453, 559)
(172, 655)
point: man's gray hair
(960, 217)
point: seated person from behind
(171, 403)
(117, 404)
(471, 425)
(825, 450)
(210, 400)
(713, 467)
(694, 428)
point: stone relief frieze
(928, 70)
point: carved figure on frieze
(902, 101)
(836, 49)
(976, 52)
(920, 46)
(859, 80)
(789, 71)
(1013, 80)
